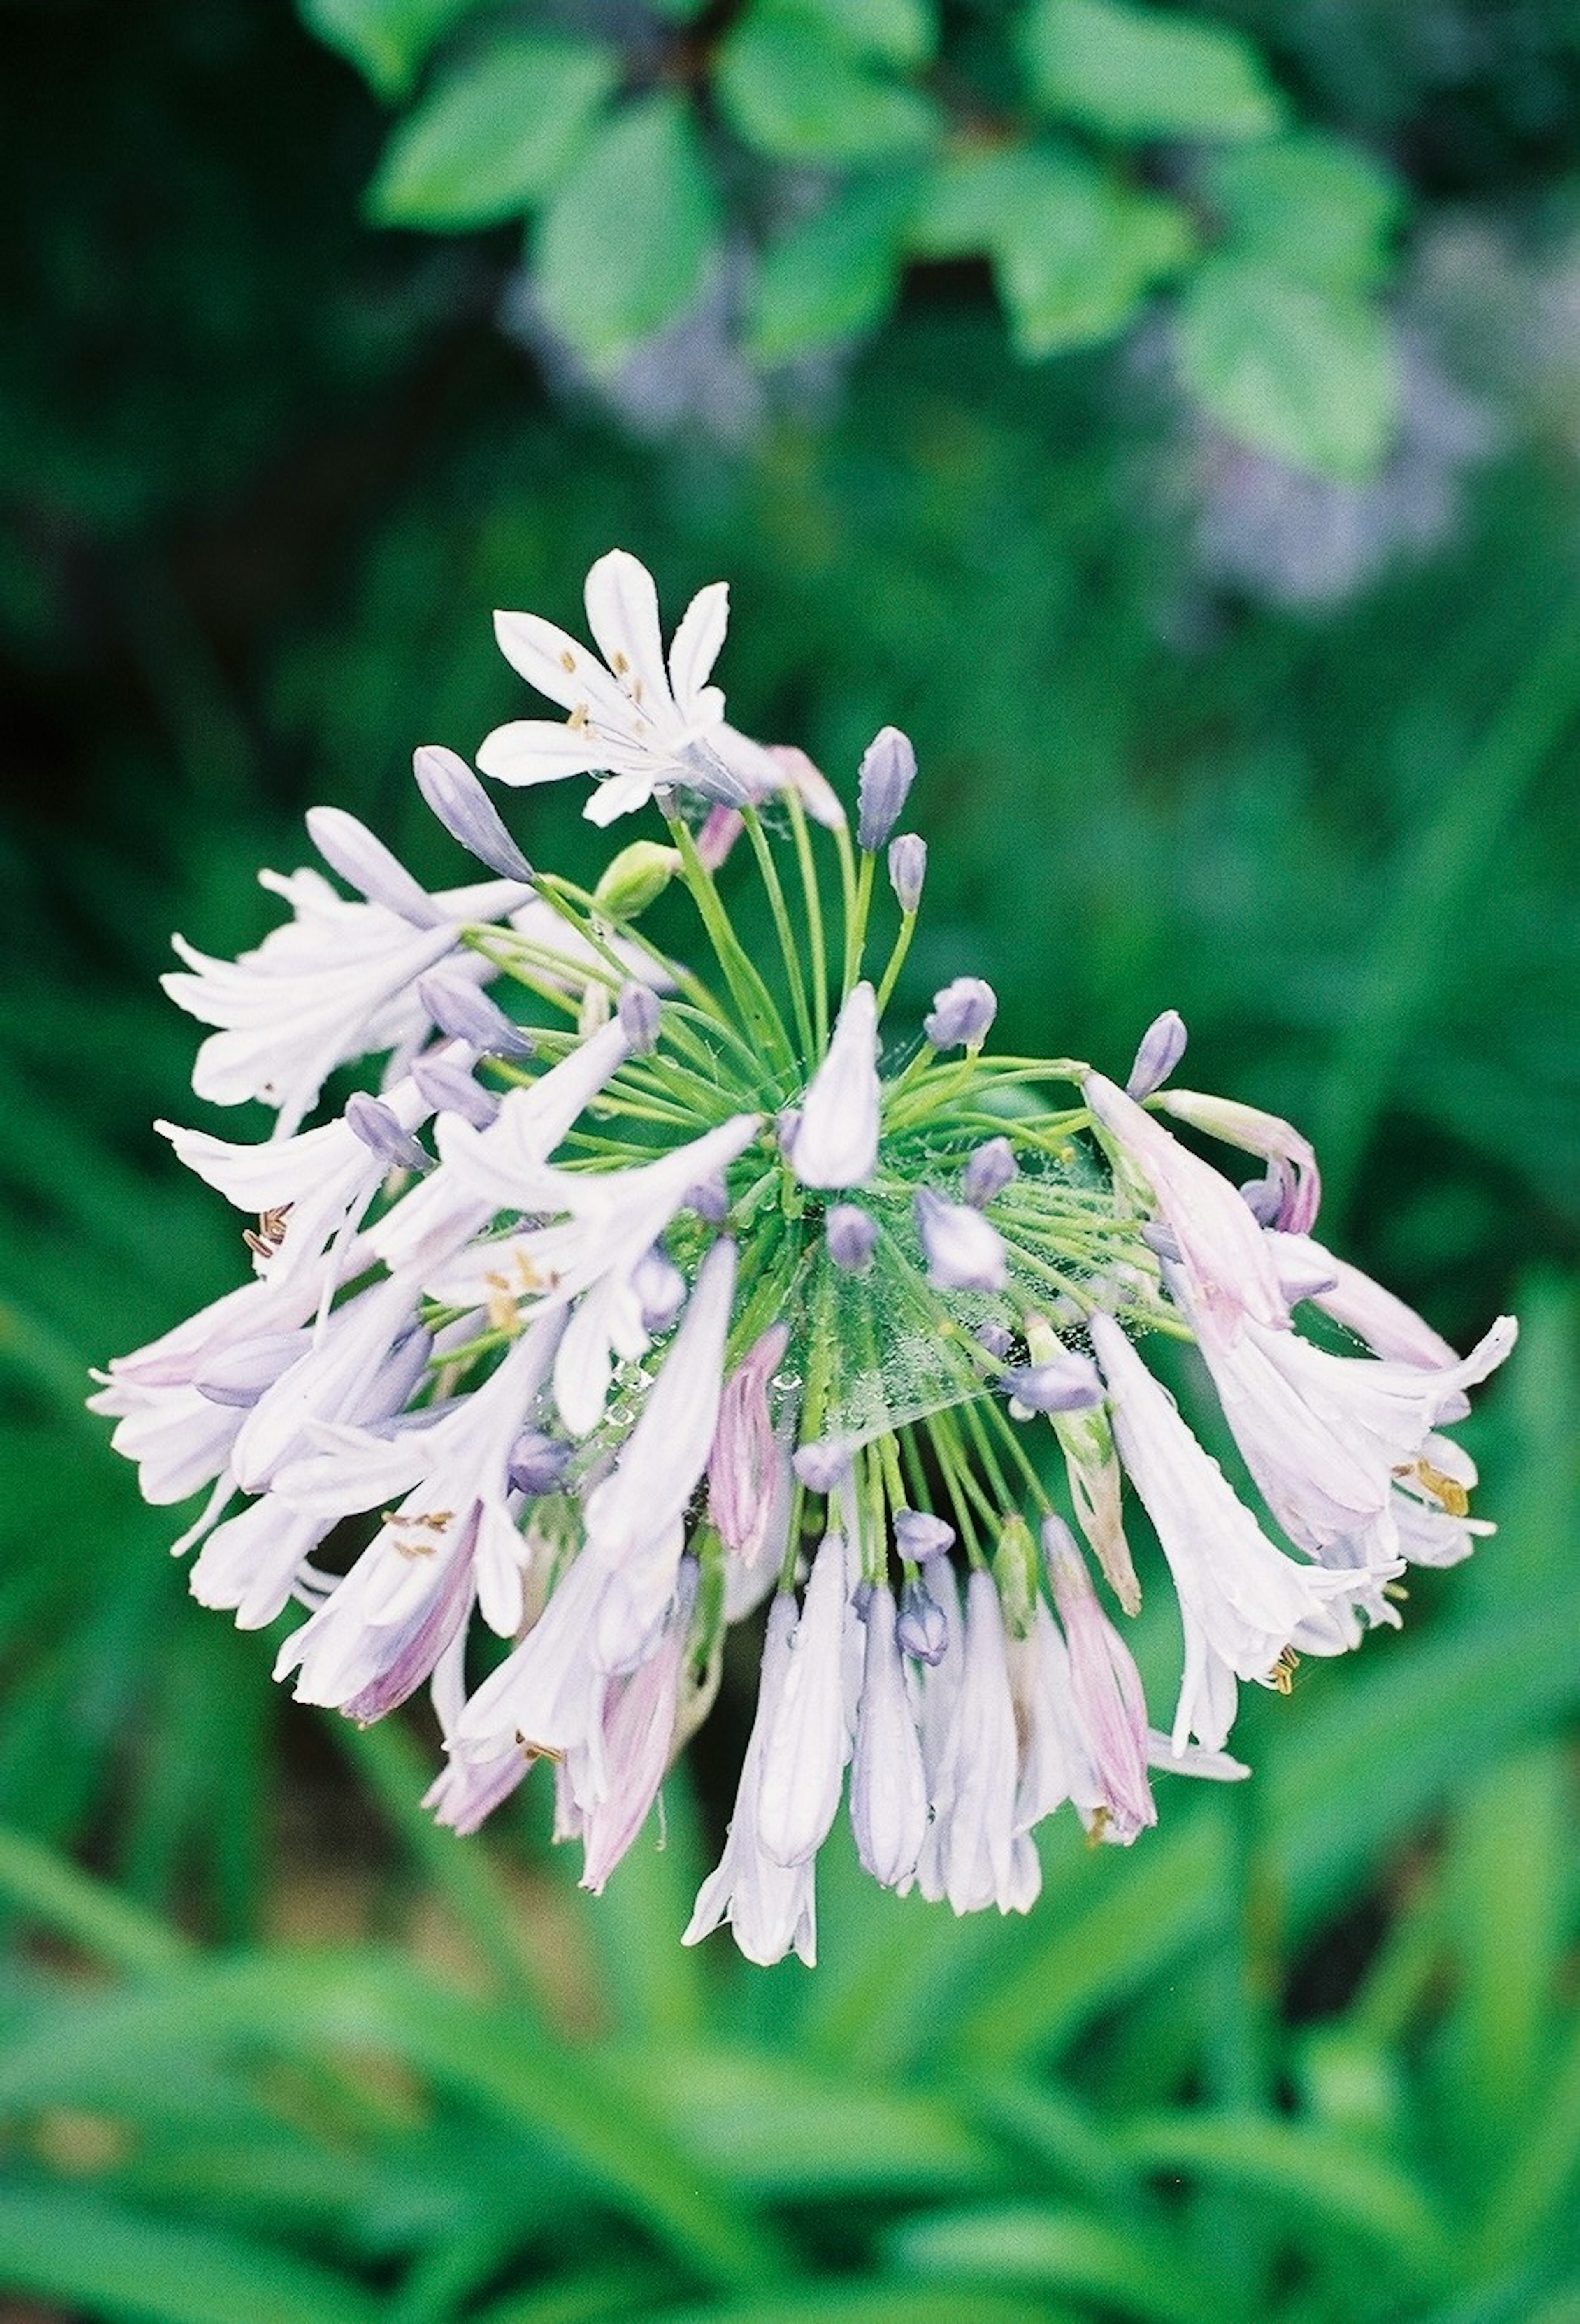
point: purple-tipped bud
(907, 870)
(538, 1463)
(238, 1376)
(465, 1014)
(1068, 1383)
(997, 1338)
(851, 1234)
(639, 1018)
(1264, 1199)
(365, 863)
(963, 1253)
(888, 769)
(720, 830)
(458, 801)
(448, 1089)
(961, 1014)
(786, 1123)
(989, 1172)
(1163, 1046)
(661, 1289)
(918, 1536)
(822, 1466)
(922, 1629)
(710, 1199)
(381, 1132)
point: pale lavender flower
(1162, 1046)
(456, 1007)
(744, 1465)
(458, 801)
(1066, 1382)
(1243, 1603)
(381, 1132)
(639, 1709)
(836, 1141)
(639, 1014)
(974, 1853)
(852, 1236)
(366, 864)
(721, 827)
(823, 1465)
(888, 769)
(807, 1741)
(1108, 1706)
(922, 1627)
(770, 1907)
(989, 1171)
(918, 1536)
(961, 1014)
(908, 871)
(1292, 1191)
(1224, 1261)
(962, 1251)
(659, 1287)
(888, 1783)
(447, 1087)
(642, 723)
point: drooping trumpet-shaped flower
(634, 1290)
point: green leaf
(1309, 205)
(1058, 2250)
(69, 2245)
(900, 31)
(834, 273)
(494, 134)
(624, 243)
(791, 87)
(1303, 373)
(1135, 72)
(1075, 249)
(386, 40)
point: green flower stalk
(648, 1288)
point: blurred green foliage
(275, 2049)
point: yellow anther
(566, 659)
(578, 718)
(619, 665)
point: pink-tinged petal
(623, 613)
(538, 751)
(1295, 1189)
(806, 1744)
(694, 649)
(1227, 1266)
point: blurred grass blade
(54, 1895)
(1311, 2178)
(1040, 2248)
(1412, 945)
(67, 2243)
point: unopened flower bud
(639, 1018)
(465, 1014)
(1014, 1569)
(997, 1338)
(989, 1172)
(963, 1253)
(661, 1289)
(922, 1629)
(888, 769)
(710, 1199)
(823, 1465)
(538, 1464)
(366, 864)
(851, 1234)
(1162, 1048)
(961, 1014)
(636, 878)
(1068, 1383)
(448, 1088)
(458, 801)
(907, 870)
(381, 1132)
(918, 1536)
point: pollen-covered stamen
(1447, 1491)
(1281, 1677)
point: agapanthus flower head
(635, 1290)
